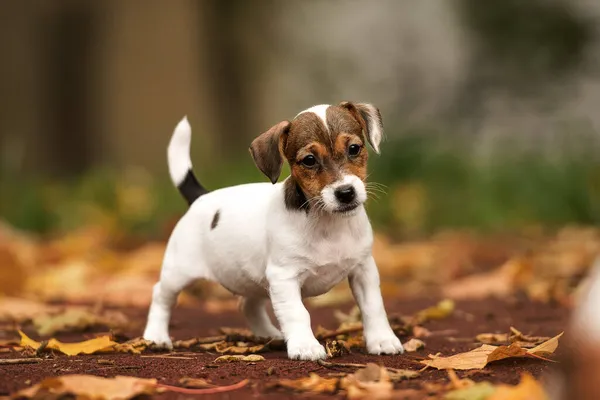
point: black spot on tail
(190, 188)
(215, 220)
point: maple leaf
(481, 356)
(90, 387)
(96, 345)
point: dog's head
(325, 147)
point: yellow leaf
(441, 310)
(91, 346)
(90, 387)
(527, 389)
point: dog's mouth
(346, 208)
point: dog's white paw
(160, 339)
(305, 349)
(384, 343)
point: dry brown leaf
(312, 384)
(527, 389)
(413, 345)
(96, 345)
(336, 348)
(77, 319)
(90, 387)
(248, 358)
(22, 310)
(420, 332)
(372, 381)
(515, 336)
(481, 356)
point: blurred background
(490, 108)
(490, 112)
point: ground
(450, 335)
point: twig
(328, 364)
(341, 332)
(218, 389)
(8, 361)
(168, 356)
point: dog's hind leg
(254, 309)
(164, 296)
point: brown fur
(307, 135)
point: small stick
(341, 332)
(9, 361)
(218, 389)
(327, 364)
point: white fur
(178, 152)
(320, 111)
(260, 250)
(328, 193)
(375, 130)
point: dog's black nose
(345, 194)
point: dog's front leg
(293, 317)
(380, 338)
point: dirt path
(457, 333)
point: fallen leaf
(515, 336)
(478, 391)
(99, 344)
(248, 358)
(312, 384)
(548, 347)
(527, 389)
(22, 310)
(372, 381)
(413, 345)
(481, 356)
(77, 319)
(90, 387)
(420, 332)
(335, 348)
(443, 309)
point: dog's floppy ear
(369, 117)
(267, 148)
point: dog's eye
(309, 161)
(353, 150)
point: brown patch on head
(329, 143)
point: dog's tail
(180, 165)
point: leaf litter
(478, 358)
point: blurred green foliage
(432, 180)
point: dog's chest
(330, 260)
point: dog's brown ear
(369, 117)
(267, 148)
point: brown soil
(471, 318)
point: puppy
(282, 241)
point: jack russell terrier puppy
(282, 241)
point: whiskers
(375, 190)
(315, 204)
